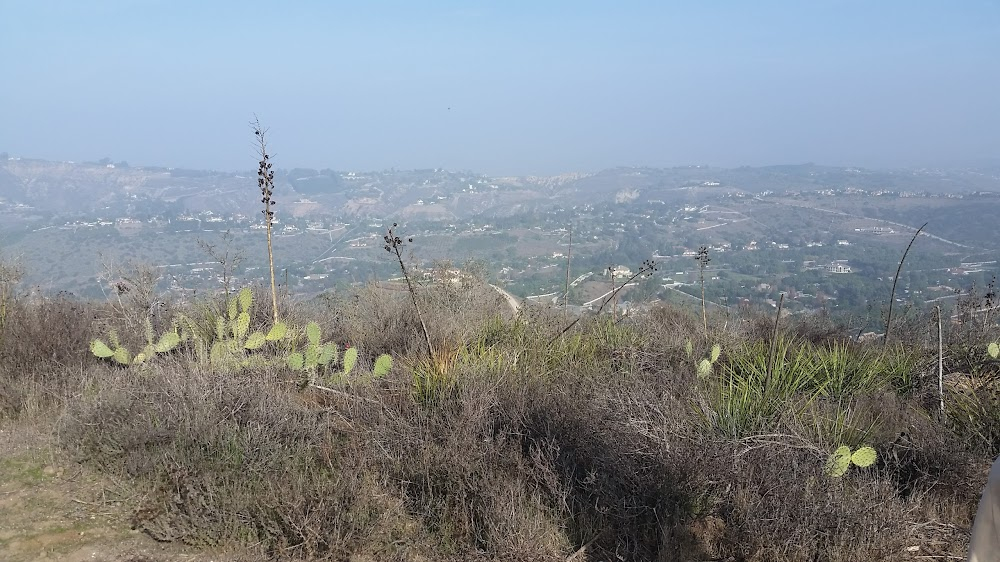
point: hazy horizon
(502, 88)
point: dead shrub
(209, 450)
(43, 350)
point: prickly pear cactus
(842, 459)
(705, 365)
(233, 338)
(864, 457)
(839, 461)
(167, 342)
(318, 356)
(383, 364)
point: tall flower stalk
(394, 245)
(703, 260)
(265, 181)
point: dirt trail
(51, 509)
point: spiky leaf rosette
(994, 350)
(382, 366)
(101, 349)
(839, 461)
(864, 457)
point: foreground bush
(604, 444)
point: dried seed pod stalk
(265, 181)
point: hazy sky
(532, 86)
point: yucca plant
(841, 370)
(901, 368)
(831, 423)
(434, 378)
(975, 417)
(747, 399)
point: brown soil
(53, 509)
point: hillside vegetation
(635, 438)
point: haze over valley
(828, 238)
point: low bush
(603, 443)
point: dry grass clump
(43, 353)
(383, 319)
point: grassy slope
(603, 442)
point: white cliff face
(984, 546)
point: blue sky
(504, 87)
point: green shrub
(748, 398)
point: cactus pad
(255, 341)
(864, 457)
(168, 341)
(122, 356)
(101, 349)
(350, 358)
(704, 368)
(839, 461)
(327, 353)
(245, 298)
(382, 365)
(277, 332)
(312, 332)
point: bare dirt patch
(53, 509)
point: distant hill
(105, 189)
